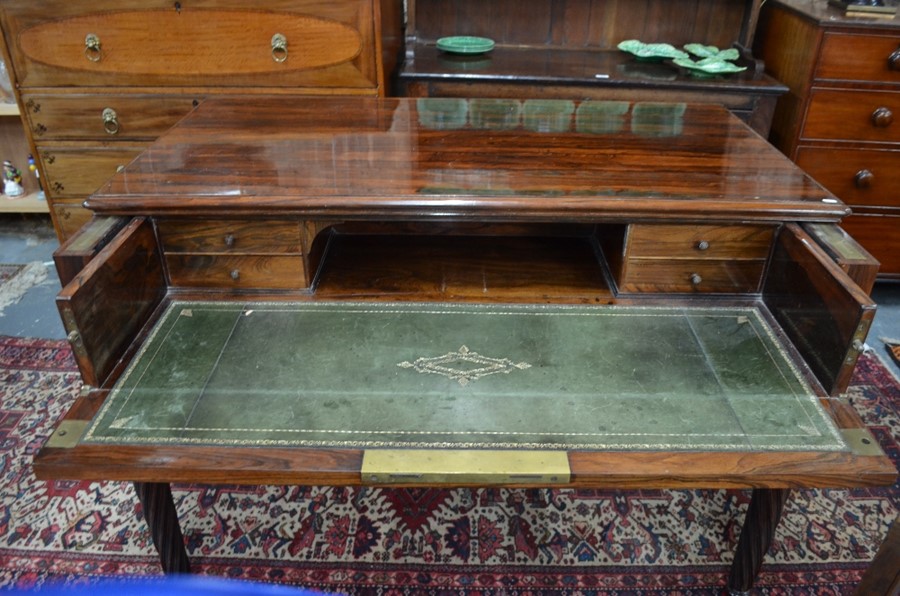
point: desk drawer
(853, 116)
(275, 236)
(690, 276)
(256, 272)
(699, 241)
(854, 57)
(77, 171)
(104, 117)
(868, 177)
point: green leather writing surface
(460, 376)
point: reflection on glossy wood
(415, 159)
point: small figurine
(12, 180)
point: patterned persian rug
(368, 541)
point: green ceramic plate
(464, 44)
(709, 65)
(645, 51)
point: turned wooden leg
(757, 533)
(159, 511)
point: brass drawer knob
(235, 274)
(894, 60)
(882, 117)
(279, 48)
(696, 279)
(703, 245)
(229, 240)
(110, 121)
(92, 48)
(864, 179)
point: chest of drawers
(98, 82)
(837, 122)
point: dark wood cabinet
(98, 81)
(567, 49)
(837, 122)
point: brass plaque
(67, 434)
(862, 442)
(464, 466)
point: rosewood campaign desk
(465, 292)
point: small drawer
(688, 276)
(104, 118)
(275, 236)
(263, 272)
(853, 57)
(846, 115)
(699, 241)
(77, 171)
(860, 177)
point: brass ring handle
(110, 121)
(279, 48)
(696, 279)
(703, 245)
(863, 179)
(894, 60)
(882, 117)
(92, 48)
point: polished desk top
(501, 160)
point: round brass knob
(894, 60)
(864, 179)
(229, 240)
(882, 117)
(703, 245)
(279, 48)
(235, 274)
(92, 48)
(696, 279)
(110, 121)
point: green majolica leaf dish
(709, 65)
(465, 44)
(643, 50)
(702, 51)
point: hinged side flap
(108, 302)
(824, 313)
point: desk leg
(757, 533)
(159, 511)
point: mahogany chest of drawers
(98, 81)
(837, 122)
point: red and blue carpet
(367, 541)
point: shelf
(26, 204)
(9, 109)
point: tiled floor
(30, 239)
